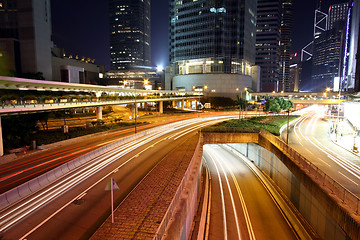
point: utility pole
(287, 128)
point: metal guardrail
(347, 197)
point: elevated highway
(22, 101)
(92, 96)
(306, 98)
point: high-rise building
(222, 30)
(351, 42)
(326, 59)
(129, 33)
(25, 36)
(337, 13)
(268, 39)
(285, 45)
(207, 37)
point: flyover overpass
(306, 98)
(96, 96)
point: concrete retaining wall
(179, 217)
(331, 217)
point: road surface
(310, 137)
(241, 207)
(74, 206)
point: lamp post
(287, 127)
(145, 82)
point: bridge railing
(347, 197)
(73, 104)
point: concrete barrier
(178, 219)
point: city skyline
(83, 28)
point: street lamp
(145, 82)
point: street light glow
(159, 68)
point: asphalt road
(241, 207)
(34, 164)
(75, 206)
(310, 137)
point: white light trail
(15, 213)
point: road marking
(222, 199)
(231, 194)
(349, 179)
(324, 162)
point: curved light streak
(15, 213)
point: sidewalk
(345, 136)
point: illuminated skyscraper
(221, 30)
(212, 37)
(337, 13)
(268, 39)
(129, 33)
(285, 45)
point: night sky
(81, 27)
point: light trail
(220, 161)
(243, 204)
(42, 164)
(222, 198)
(344, 163)
(15, 213)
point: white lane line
(348, 178)
(324, 162)
(217, 157)
(222, 198)
(243, 204)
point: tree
(277, 104)
(43, 119)
(18, 130)
(242, 103)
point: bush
(270, 123)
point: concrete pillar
(173, 104)
(1, 140)
(161, 107)
(182, 104)
(195, 104)
(99, 113)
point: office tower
(337, 14)
(204, 29)
(129, 33)
(326, 59)
(207, 36)
(25, 36)
(285, 45)
(268, 38)
(351, 43)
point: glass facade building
(268, 43)
(326, 59)
(285, 46)
(129, 33)
(212, 36)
